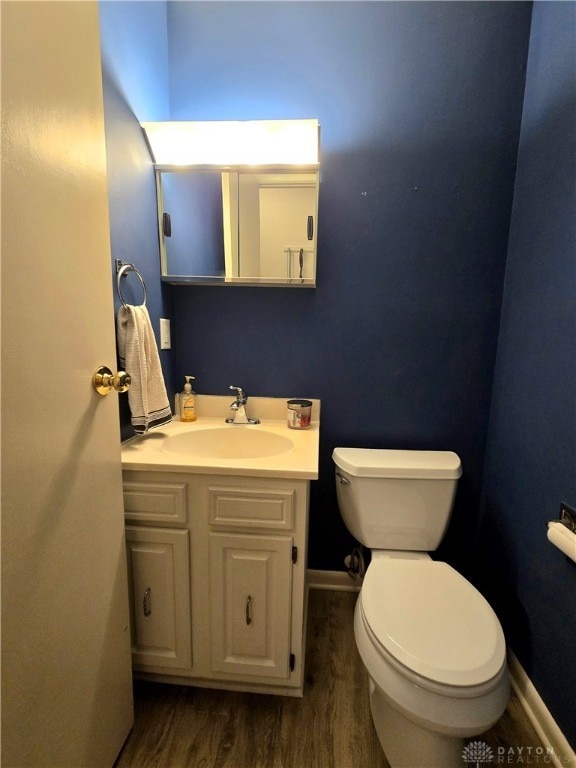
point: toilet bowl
(433, 648)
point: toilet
(433, 647)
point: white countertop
(149, 452)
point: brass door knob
(104, 381)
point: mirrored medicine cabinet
(234, 224)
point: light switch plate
(165, 333)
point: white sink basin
(231, 442)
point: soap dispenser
(187, 401)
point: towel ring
(123, 269)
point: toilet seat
(455, 710)
(427, 617)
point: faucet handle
(240, 394)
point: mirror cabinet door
(238, 227)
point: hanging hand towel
(139, 355)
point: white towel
(139, 355)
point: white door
(284, 213)
(66, 677)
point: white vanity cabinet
(224, 558)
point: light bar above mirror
(226, 143)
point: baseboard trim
(562, 754)
(336, 580)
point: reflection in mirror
(276, 233)
(238, 227)
(195, 243)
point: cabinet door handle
(166, 225)
(146, 602)
(248, 610)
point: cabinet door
(159, 585)
(250, 597)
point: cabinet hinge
(294, 554)
(292, 662)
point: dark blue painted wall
(531, 454)
(135, 78)
(420, 107)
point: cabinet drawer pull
(146, 602)
(248, 610)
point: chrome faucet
(239, 408)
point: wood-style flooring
(330, 727)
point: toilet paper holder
(562, 532)
(567, 517)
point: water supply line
(355, 564)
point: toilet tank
(396, 499)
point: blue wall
(420, 107)
(135, 75)
(531, 455)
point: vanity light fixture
(225, 143)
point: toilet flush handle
(342, 479)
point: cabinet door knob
(146, 607)
(248, 610)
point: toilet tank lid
(382, 462)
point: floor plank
(330, 727)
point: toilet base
(408, 745)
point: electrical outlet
(165, 334)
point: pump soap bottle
(187, 400)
